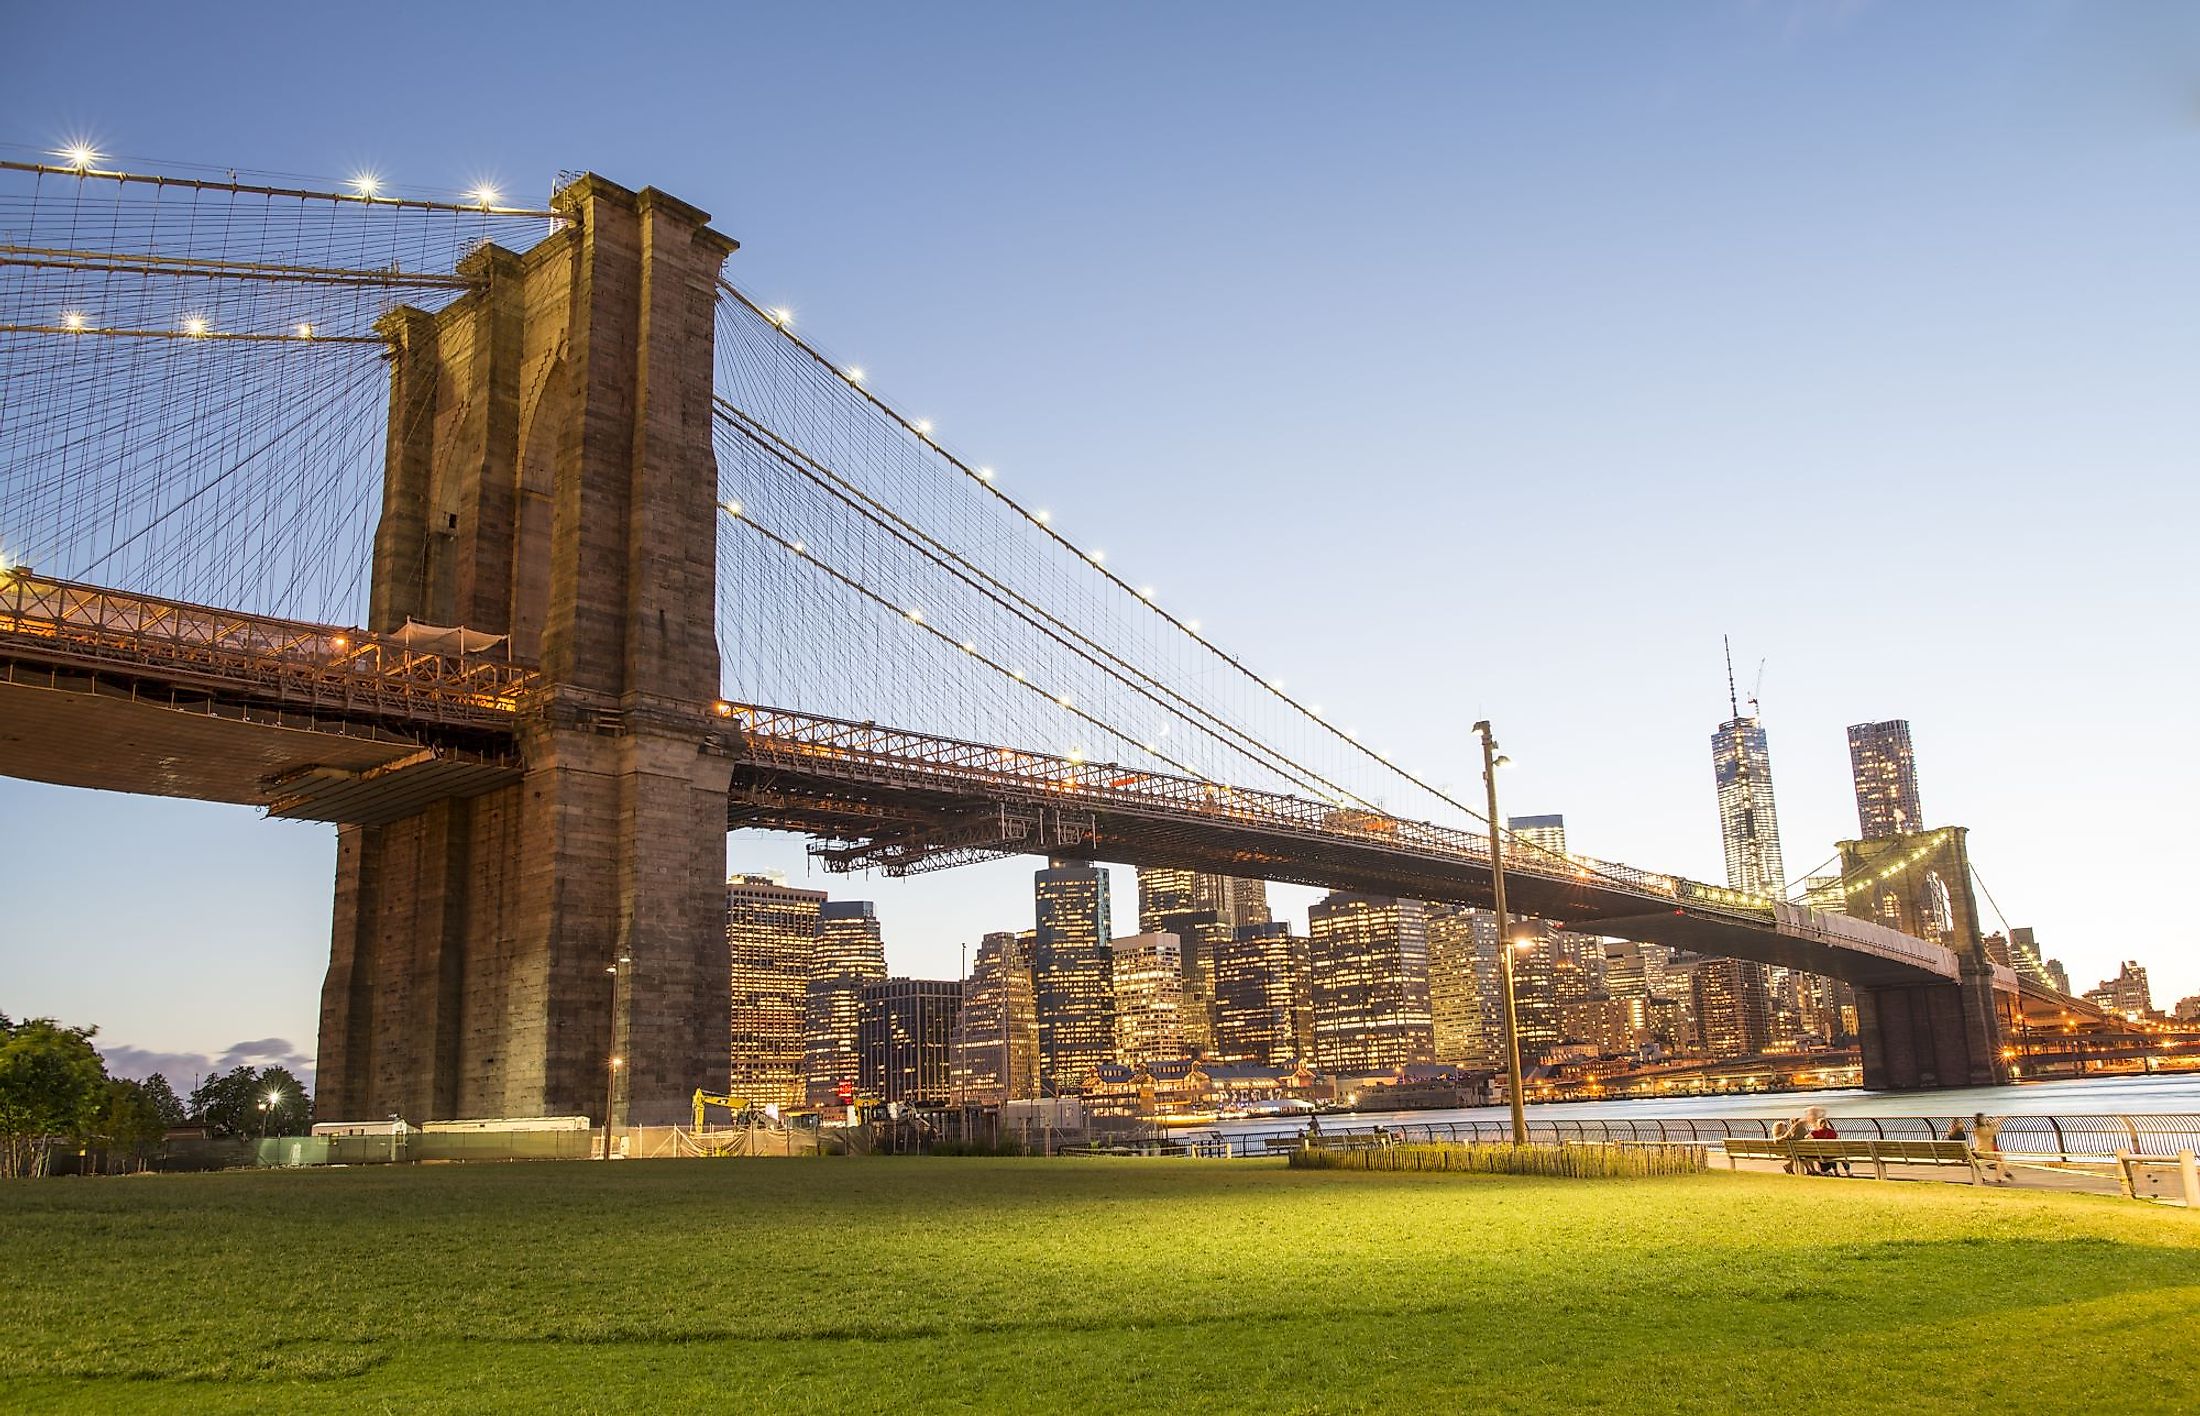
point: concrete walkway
(2101, 1177)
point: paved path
(2080, 1177)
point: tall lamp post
(611, 1073)
(1490, 763)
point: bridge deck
(906, 801)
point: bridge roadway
(103, 689)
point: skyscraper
(1459, 1020)
(1370, 967)
(904, 1035)
(997, 1031)
(1733, 996)
(770, 932)
(1733, 1007)
(1748, 822)
(1073, 973)
(1546, 834)
(1264, 1003)
(848, 953)
(1168, 891)
(1885, 771)
(1149, 998)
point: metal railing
(284, 661)
(2076, 1137)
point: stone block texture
(550, 477)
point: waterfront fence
(2077, 1137)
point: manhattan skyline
(1509, 363)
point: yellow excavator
(734, 1104)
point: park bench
(2160, 1177)
(1879, 1152)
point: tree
(130, 1122)
(52, 1085)
(251, 1101)
(163, 1099)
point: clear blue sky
(1467, 359)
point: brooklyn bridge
(524, 546)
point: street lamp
(611, 1072)
(1490, 763)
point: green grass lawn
(941, 1284)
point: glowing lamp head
(274, 1098)
(80, 156)
(72, 319)
(366, 184)
(195, 326)
(485, 194)
(782, 316)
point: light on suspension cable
(80, 156)
(800, 549)
(367, 184)
(305, 330)
(852, 374)
(72, 319)
(781, 316)
(1316, 710)
(924, 428)
(1076, 755)
(1275, 685)
(730, 508)
(195, 326)
(1016, 674)
(1192, 625)
(1042, 517)
(1063, 699)
(485, 194)
(916, 616)
(1097, 556)
(985, 474)
(1145, 592)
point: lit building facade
(1264, 996)
(1749, 824)
(1371, 988)
(2127, 993)
(1073, 973)
(1884, 768)
(770, 931)
(1544, 835)
(1458, 1014)
(1164, 892)
(1149, 997)
(905, 1037)
(848, 953)
(997, 1032)
(1733, 1008)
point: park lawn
(1074, 1285)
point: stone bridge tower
(1927, 1035)
(550, 477)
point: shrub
(1589, 1161)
